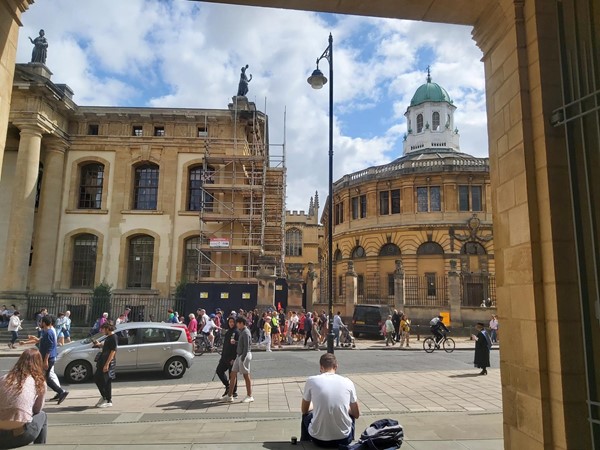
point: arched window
(91, 181)
(196, 262)
(140, 262)
(435, 119)
(358, 252)
(293, 242)
(419, 123)
(389, 250)
(198, 197)
(430, 248)
(85, 249)
(472, 248)
(337, 256)
(145, 188)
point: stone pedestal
(351, 288)
(20, 227)
(399, 299)
(48, 216)
(266, 282)
(454, 299)
(295, 283)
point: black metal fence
(426, 290)
(477, 289)
(85, 309)
(371, 291)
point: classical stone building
(303, 238)
(542, 77)
(141, 198)
(401, 228)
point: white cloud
(188, 54)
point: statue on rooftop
(244, 80)
(40, 48)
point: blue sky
(188, 54)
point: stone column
(266, 282)
(20, 227)
(454, 299)
(295, 282)
(351, 289)
(48, 217)
(399, 299)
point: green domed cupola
(430, 92)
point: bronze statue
(244, 80)
(40, 48)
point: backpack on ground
(382, 434)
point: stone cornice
(491, 26)
(33, 120)
(16, 7)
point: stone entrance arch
(544, 375)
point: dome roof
(430, 92)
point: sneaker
(54, 399)
(235, 395)
(62, 396)
(102, 400)
(248, 399)
(228, 399)
(105, 405)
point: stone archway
(543, 370)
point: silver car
(142, 347)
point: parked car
(368, 319)
(142, 347)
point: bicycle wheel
(200, 347)
(429, 345)
(449, 345)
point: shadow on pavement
(189, 405)
(465, 375)
(285, 445)
(64, 408)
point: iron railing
(426, 290)
(478, 290)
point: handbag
(97, 357)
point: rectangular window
(137, 130)
(422, 199)
(391, 285)
(384, 203)
(159, 131)
(202, 132)
(363, 206)
(396, 201)
(431, 284)
(93, 129)
(469, 198)
(463, 198)
(429, 199)
(476, 198)
(360, 285)
(339, 213)
(355, 208)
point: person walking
(22, 391)
(48, 350)
(494, 329)
(404, 330)
(396, 318)
(483, 344)
(193, 326)
(14, 325)
(66, 329)
(389, 332)
(106, 364)
(242, 361)
(228, 355)
(267, 333)
(337, 324)
(308, 326)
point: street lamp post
(317, 80)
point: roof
(430, 92)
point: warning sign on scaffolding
(239, 268)
(224, 295)
(245, 295)
(203, 294)
(219, 243)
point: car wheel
(175, 368)
(78, 371)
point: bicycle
(429, 344)
(202, 344)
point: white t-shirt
(331, 395)
(210, 325)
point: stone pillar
(48, 217)
(20, 227)
(454, 299)
(312, 285)
(399, 299)
(351, 289)
(295, 282)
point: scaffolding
(242, 216)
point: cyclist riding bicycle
(208, 330)
(438, 329)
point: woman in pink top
(22, 391)
(193, 326)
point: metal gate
(226, 296)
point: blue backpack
(384, 434)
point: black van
(368, 319)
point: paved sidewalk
(449, 410)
